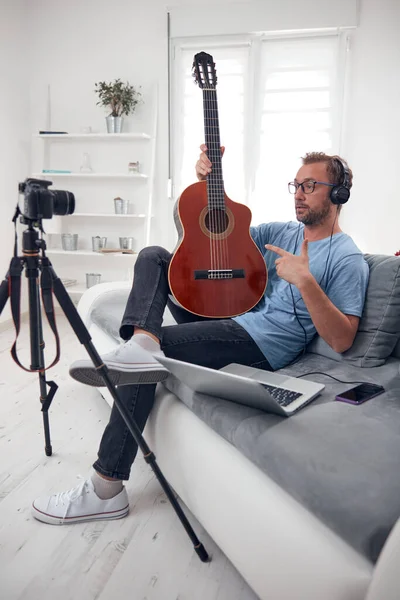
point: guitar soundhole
(217, 220)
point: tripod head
(31, 243)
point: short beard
(315, 217)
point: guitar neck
(215, 182)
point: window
(278, 98)
(188, 130)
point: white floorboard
(146, 556)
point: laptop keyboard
(283, 396)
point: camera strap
(46, 284)
(14, 220)
(14, 292)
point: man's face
(314, 208)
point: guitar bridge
(219, 274)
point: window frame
(252, 101)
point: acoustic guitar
(216, 270)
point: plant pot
(114, 124)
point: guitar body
(217, 270)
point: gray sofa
(332, 462)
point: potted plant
(120, 99)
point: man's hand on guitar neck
(203, 165)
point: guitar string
(222, 242)
(224, 215)
(209, 178)
(215, 183)
(217, 217)
(213, 190)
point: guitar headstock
(204, 72)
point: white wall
(373, 129)
(14, 120)
(261, 15)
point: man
(317, 284)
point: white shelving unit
(91, 254)
(42, 175)
(64, 149)
(94, 136)
(110, 215)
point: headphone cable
(320, 282)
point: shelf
(76, 289)
(57, 160)
(89, 253)
(91, 175)
(93, 136)
(108, 215)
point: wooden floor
(146, 556)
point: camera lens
(63, 202)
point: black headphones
(341, 192)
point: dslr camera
(42, 203)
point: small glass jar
(86, 167)
(133, 167)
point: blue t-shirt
(340, 270)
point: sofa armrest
(385, 583)
(116, 291)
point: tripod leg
(84, 337)
(37, 347)
(36, 336)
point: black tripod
(35, 263)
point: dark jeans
(209, 342)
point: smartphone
(360, 393)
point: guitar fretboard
(215, 182)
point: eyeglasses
(307, 186)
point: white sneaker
(128, 364)
(81, 503)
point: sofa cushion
(379, 328)
(396, 351)
(339, 461)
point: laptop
(264, 390)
